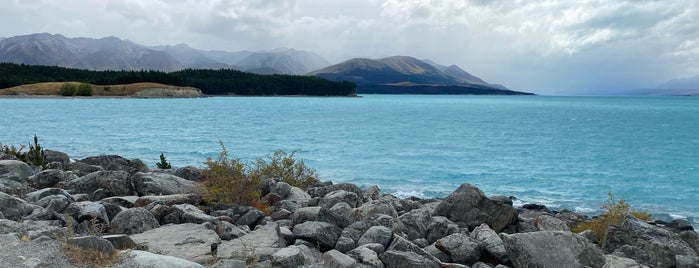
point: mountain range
(394, 75)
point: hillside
(408, 75)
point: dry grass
(54, 88)
(89, 258)
(615, 215)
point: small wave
(585, 210)
(677, 216)
(406, 194)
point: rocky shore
(157, 218)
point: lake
(564, 152)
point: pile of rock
(111, 204)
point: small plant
(84, 90)
(14, 151)
(616, 212)
(68, 89)
(36, 156)
(283, 166)
(227, 181)
(163, 164)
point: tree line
(212, 82)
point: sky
(544, 46)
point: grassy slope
(53, 88)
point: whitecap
(677, 216)
(584, 210)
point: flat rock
(93, 243)
(259, 244)
(191, 214)
(188, 241)
(168, 200)
(115, 162)
(161, 184)
(138, 258)
(552, 249)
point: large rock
(60, 157)
(259, 244)
(334, 258)
(366, 257)
(492, 243)
(168, 200)
(116, 183)
(137, 258)
(469, 207)
(228, 231)
(8, 226)
(305, 214)
(552, 249)
(338, 196)
(318, 232)
(115, 162)
(376, 234)
(191, 214)
(621, 262)
(161, 184)
(133, 221)
(23, 170)
(188, 241)
(375, 207)
(92, 243)
(460, 247)
(87, 211)
(288, 257)
(416, 223)
(46, 178)
(338, 215)
(37, 195)
(401, 253)
(11, 183)
(648, 244)
(324, 190)
(14, 208)
(440, 227)
(189, 173)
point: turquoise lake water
(564, 152)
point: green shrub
(14, 151)
(68, 89)
(616, 212)
(282, 166)
(84, 90)
(163, 164)
(227, 181)
(36, 156)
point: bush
(14, 151)
(616, 212)
(163, 164)
(36, 156)
(282, 166)
(68, 89)
(227, 181)
(84, 90)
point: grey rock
(123, 201)
(23, 170)
(259, 244)
(416, 223)
(334, 258)
(552, 249)
(115, 182)
(288, 257)
(35, 196)
(11, 183)
(461, 248)
(373, 193)
(161, 184)
(81, 169)
(168, 200)
(366, 256)
(60, 157)
(550, 223)
(12, 207)
(281, 214)
(305, 214)
(376, 234)
(368, 210)
(228, 231)
(116, 163)
(121, 241)
(250, 218)
(324, 190)
(337, 196)
(621, 262)
(188, 241)
(9, 226)
(52, 229)
(440, 227)
(191, 214)
(492, 243)
(133, 221)
(189, 173)
(692, 239)
(281, 189)
(55, 203)
(434, 251)
(345, 244)
(46, 178)
(680, 225)
(469, 207)
(138, 258)
(338, 215)
(318, 232)
(648, 244)
(87, 210)
(228, 263)
(93, 243)
(402, 253)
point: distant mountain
(111, 53)
(680, 86)
(403, 74)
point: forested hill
(212, 82)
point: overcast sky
(548, 47)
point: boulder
(680, 225)
(648, 244)
(228, 231)
(373, 193)
(368, 210)
(402, 253)
(550, 223)
(168, 200)
(23, 170)
(250, 218)
(376, 234)
(9, 226)
(440, 227)
(348, 187)
(46, 178)
(318, 232)
(338, 196)
(60, 157)
(133, 221)
(92, 243)
(123, 201)
(189, 173)
(621, 262)
(416, 223)
(259, 244)
(161, 184)
(492, 243)
(282, 189)
(188, 241)
(287, 257)
(334, 258)
(11, 183)
(434, 251)
(55, 203)
(82, 169)
(305, 214)
(191, 214)
(87, 210)
(460, 247)
(551, 249)
(37, 195)
(469, 207)
(121, 241)
(366, 257)
(116, 183)
(138, 258)
(116, 163)
(338, 215)
(12, 207)
(52, 229)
